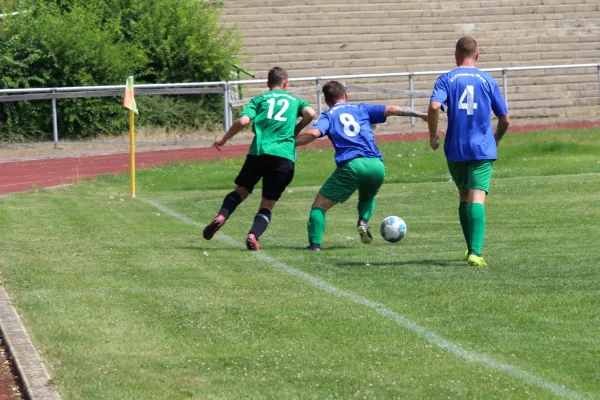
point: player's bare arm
(433, 116)
(308, 136)
(237, 126)
(400, 111)
(503, 123)
(308, 114)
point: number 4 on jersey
(467, 100)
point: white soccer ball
(393, 229)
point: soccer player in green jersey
(359, 161)
(271, 156)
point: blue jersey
(469, 96)
(349, 129)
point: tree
(79, 43)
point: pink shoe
(213, 227)
(252, 243)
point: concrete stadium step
(391, 19)
(450, 32)
(549, 55)
(285, 3)
(564, 95)
(403, 37)
(441, 65)
(559, 105)
(403, 62)
(548, 36)
(271, 32)
(412, 10)
(343, 7)
(231, 5)
(422, 63)
(428, 52)
(331, 17)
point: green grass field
(122, 302)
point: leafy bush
(79, 43)
(183, 112)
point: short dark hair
(276, 76)
(333, 91)
(466, 46)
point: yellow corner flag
(129, 103)
(129, 100)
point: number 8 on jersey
(351, 127)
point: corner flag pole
(129, 103)
(132, 152)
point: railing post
(505, 85)
(598, 84)
(225, 106)
(319, 105)
(229, 107)
(54, 123)
(411, 86)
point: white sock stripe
(432, 337)
(264, 217)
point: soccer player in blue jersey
(359, 161)
(469, 96)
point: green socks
(316, 225)
(366, 208)
(464, 213)
(477, 227)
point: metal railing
(52, 94)
(411, 75)
(225, 88)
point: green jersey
(274, 114)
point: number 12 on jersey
(279, 116)
(467, 100)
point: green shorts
(475, 174)
(364, 174)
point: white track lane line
(432, 337)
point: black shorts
(276, 173)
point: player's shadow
(243, 249)
(287, 247)
(202, 249)
(386, 264)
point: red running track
(18, 176)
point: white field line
(432, 337)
